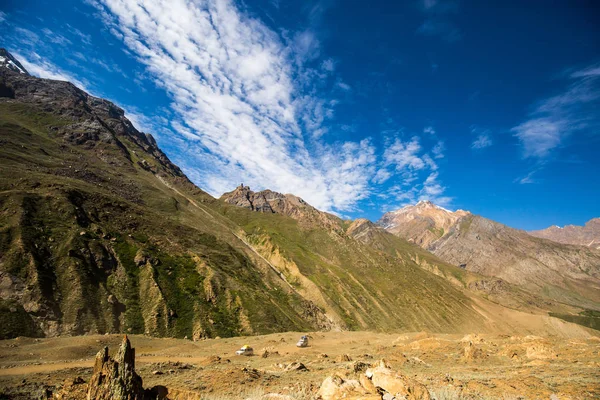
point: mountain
(568, 274)
(268, 201)
(422, 224)
(9, 62)
(587, 235)
(101, 232)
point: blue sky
(359, 108)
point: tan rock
(336, 387)
(397, 384)
(472, 352)
(116, 379)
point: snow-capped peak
(427, 203)
(8, 61)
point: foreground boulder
(379, 382)
(396, 384)
(115, 379)
(337, 387)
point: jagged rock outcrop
(116, 379)
(268, 201)
(587, 235)
(242, 196)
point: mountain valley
(101, 234)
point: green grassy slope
(100, 232)
(93, 247)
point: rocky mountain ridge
(587, 235)
(422, 223)
(489, 248)
(268, 201)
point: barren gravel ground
(493, 366)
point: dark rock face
(116, 379)
(94, 121)
(270, 202)
(242, 196)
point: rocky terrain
(268, 201)
(569, 274)
(587, 235)
(336, 365)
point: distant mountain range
(101, 232)
(571, 273)
(587, 235)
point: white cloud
(592, 70)
(527, 179)
(482, 141)
(429, 129)
(26, 36)
(433, 190)
(243, 105)
(328, 65)
(344, 86)
(438, 150)
(556, 118)
(412, 164)
(2, 16)
(56, 38)
(381, 176)
(403, 155)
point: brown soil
(504, 366)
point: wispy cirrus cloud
(528, 178)
(248, 104)
(482, 140)
(243, 106)
(556, 118)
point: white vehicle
(245, 351)
(303, 342)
